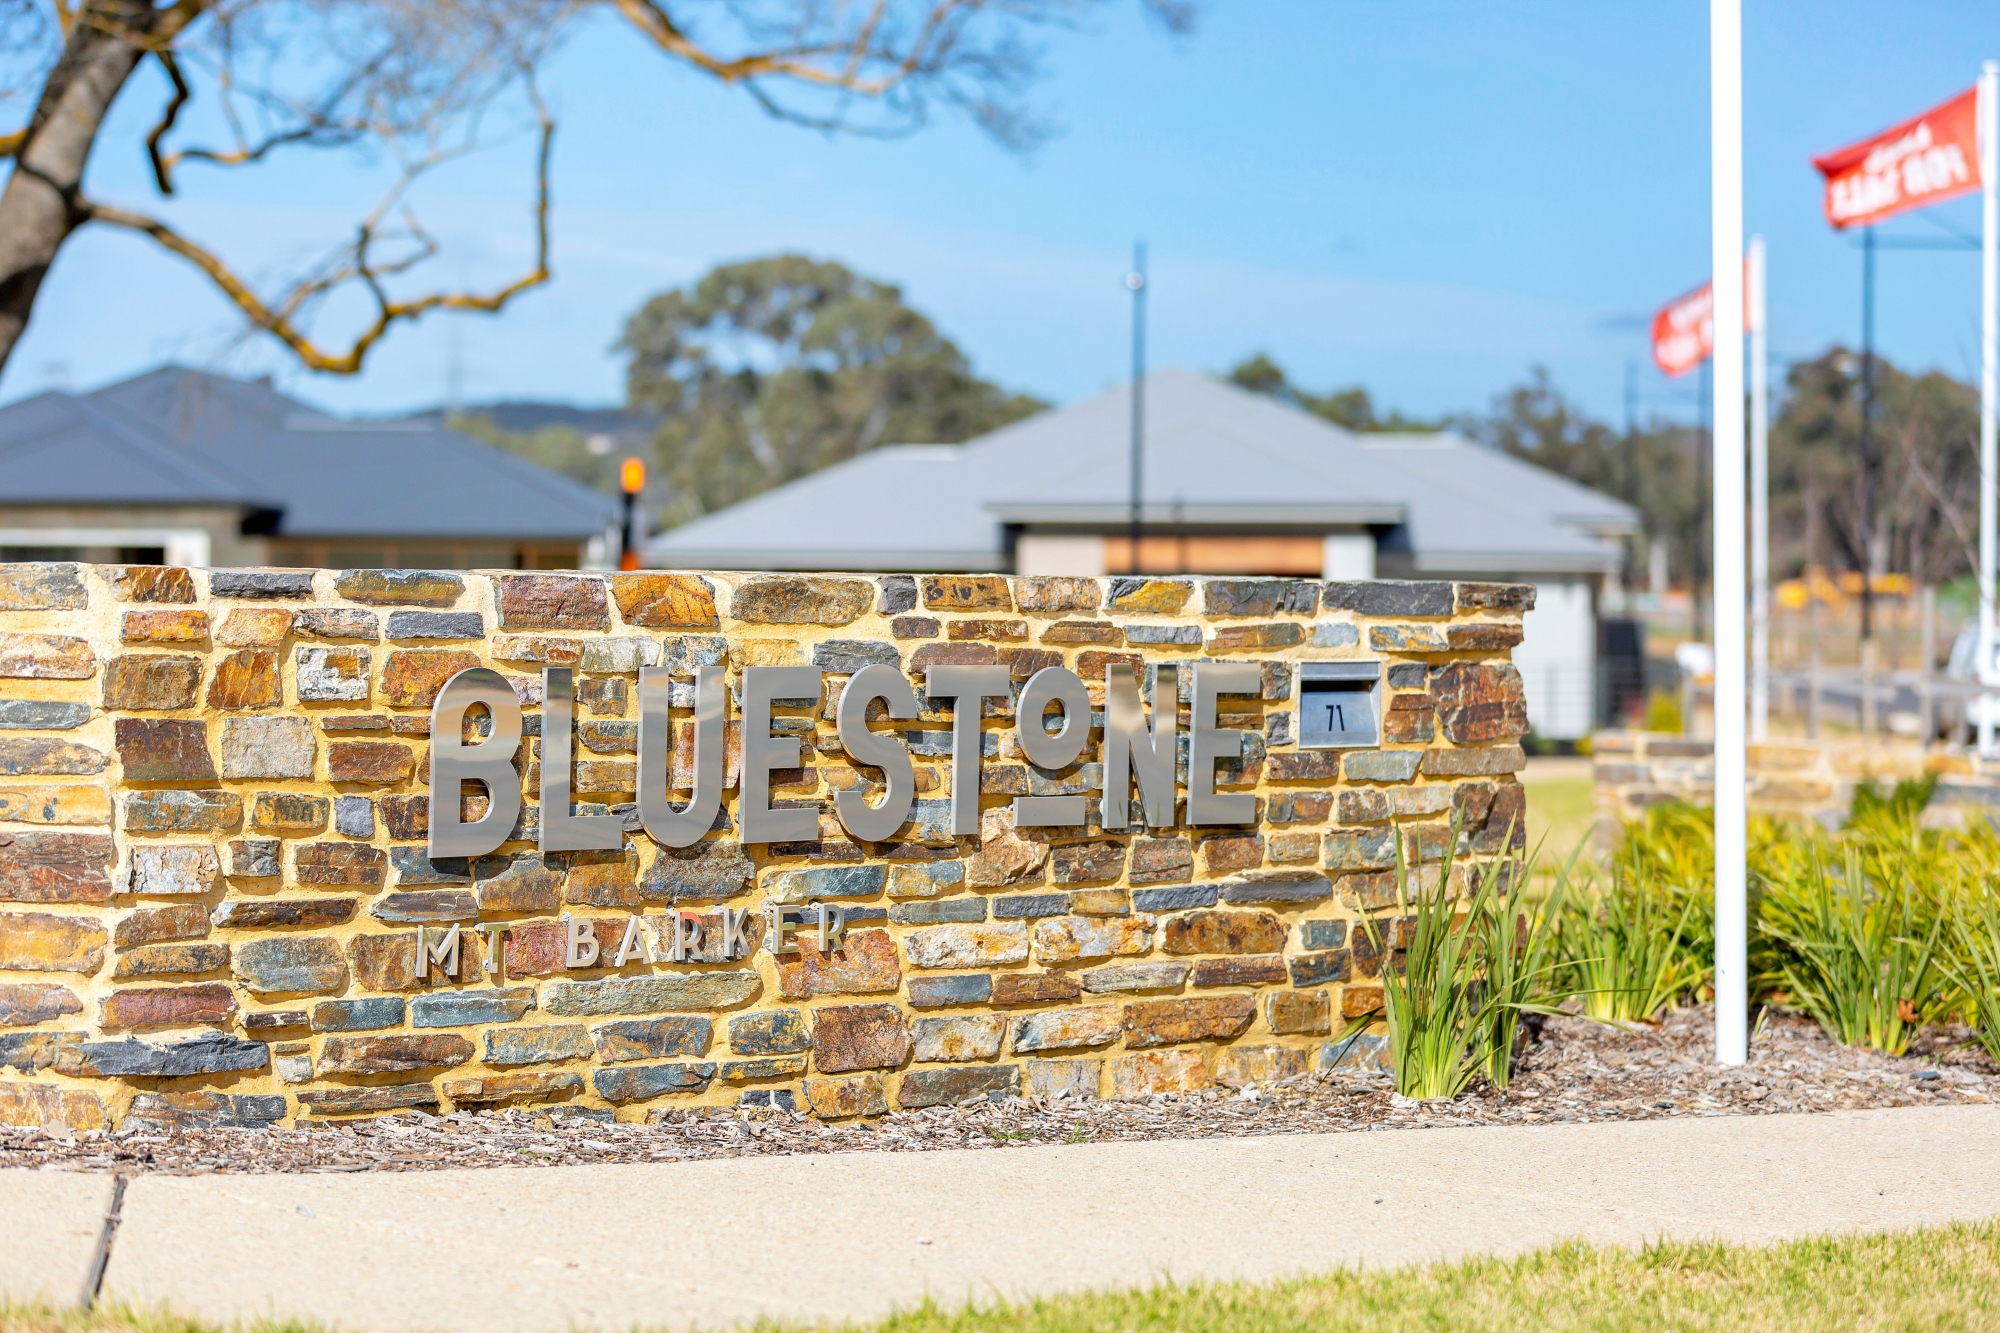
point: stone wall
(214, 871)
(1807, 780)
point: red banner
(1922, 161)
(1684, 331)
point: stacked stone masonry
(1790, 778)
(214, 869)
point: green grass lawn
(1945, 1278)
(1559, 807)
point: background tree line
(1909, 504)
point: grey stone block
(942, 992)
(454, 1009)
(1323, 934)
(1276, 886)
(1182, 635)
(1385, 597)
(258, 584)
(1381, 765)
(1173, 899)
(1338, 634)
(354, 816)
(895, 593)
(436, 625)
(40, 715)
(209, 1053)
(938, 911)
(635, 1082)
(152, 1111)
(367, 1015)
(844, 657)
(414, 866)
(1024, 906)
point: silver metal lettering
(763, 752)
(1208, 743)
(444, 953)
(496, 937)
(562, 831)
(832, 926)
(968, 687)
(1132, 748)
(735, 933)
(1051, 685)
(784, 926)
(582, 950)
(662, 822)
(633, 944)
(687, 933)
(489, 763)
(881, 749)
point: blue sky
(1423, 197)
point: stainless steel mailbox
(1340, 705)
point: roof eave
(1265, 515)
(852, 562)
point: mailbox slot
(1340, 705)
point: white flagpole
(1760, 501)
(1989, 100)
(1725, 91)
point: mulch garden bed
(1572, 1071)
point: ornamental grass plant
(1973, 963)
(1636, 945)
(1459, 969)
(1860, 956)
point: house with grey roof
(1232, 483)
(181, 467)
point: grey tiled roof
(1215, 454)
(177, 436)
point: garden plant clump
(1878, 933)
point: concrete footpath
(852, 1235)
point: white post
(1989, 99)
(1760, 501)
(1725, 90)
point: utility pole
(1135, 281)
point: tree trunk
(38, 208)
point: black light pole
(1136, 282)
(1864, 481)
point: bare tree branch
(280, 319)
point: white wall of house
(1558, 660)
(1053, 556)
(1350, 557)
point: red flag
(1684, 331)
(1922, 161)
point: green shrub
(1862, 958)
(1901, 805)
(1663, 712)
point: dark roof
(1216, 455)
(178, 436)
